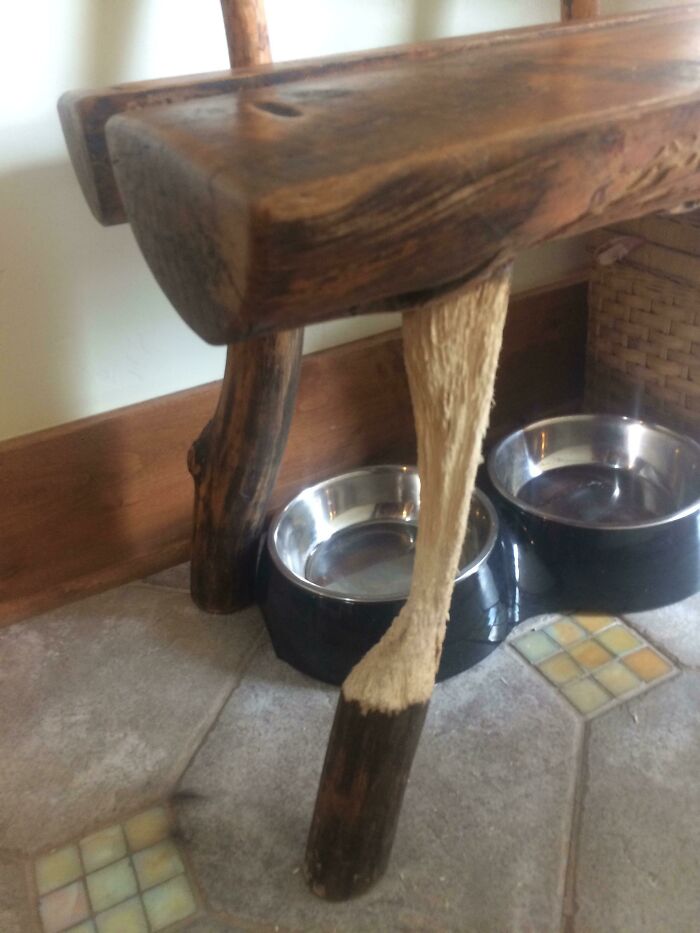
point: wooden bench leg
(451, 348)
(235, 462)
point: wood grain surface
(235, 462)
(98, 502)
(336, 195)
(359, 799)
(236, 459)
(84, 114)
(579, 9)
(246, 32)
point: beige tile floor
(156, 760)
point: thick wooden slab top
(278, 206)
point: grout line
(32, 892)
(569, 904)
(237, 681)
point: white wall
(83, 328)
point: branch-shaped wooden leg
(451, 349)
(236, 458)
(235, 462)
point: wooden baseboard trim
(101, 501)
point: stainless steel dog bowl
(604, 507)
(336, 569)
(599, 471)
(353, 537)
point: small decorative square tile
(127, 878)
(617, 679)
(128, 917)
(64, 908)
(103, 848)
(147, 828)
(565, 632)
(594, 623)
(647, 664)
(536, 646)
(111, 885)
(594, 661)
(57, 869)
(586, 695)
(590, 655)
(87, 927)
(618, 639)
(159, 863)
(169, 903)
(560, 669)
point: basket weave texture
(643, 356)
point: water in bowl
(369, 559)
(598, 495)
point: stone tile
(175, 578)
(102, 702)
(639, 848)
(483, 832)
(674, 629)
(14, 899)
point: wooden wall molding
(108, 499)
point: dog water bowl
(599, 513)
(336, 569)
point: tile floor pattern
(534, 805)
(126, 878)
(595, 661)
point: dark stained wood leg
(364, 778)
(235, 462)
(236, 458)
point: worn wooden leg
(235, 462)
(451, 349)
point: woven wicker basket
(643, 354)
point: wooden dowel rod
(451, 349)
(236, 459)
(580, 9)
(246, 32)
